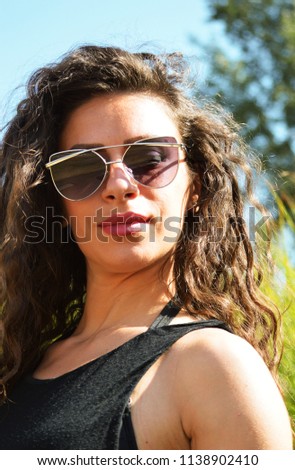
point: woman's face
(127, 244)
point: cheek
(78, 210)
(173, 209)
(180, 194)
(68, 208)
(79, 220)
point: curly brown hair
(43, 284)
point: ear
(195, 194)
(193, 203)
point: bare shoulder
(216, 348)
(226, 395)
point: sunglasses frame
(95, 150)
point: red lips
(124, 224)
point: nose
(119, 184)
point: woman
(131, 315)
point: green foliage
(287, 372)
(281, 290)
(279, 286)
(253, 74)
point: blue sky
(36, 32)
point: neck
(124, 299)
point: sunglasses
(78, 173)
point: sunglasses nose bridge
(120, 160)
(126, 170)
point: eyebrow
(98, 144)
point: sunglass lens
(80, 176)
(154, 166)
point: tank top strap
(166, 315)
